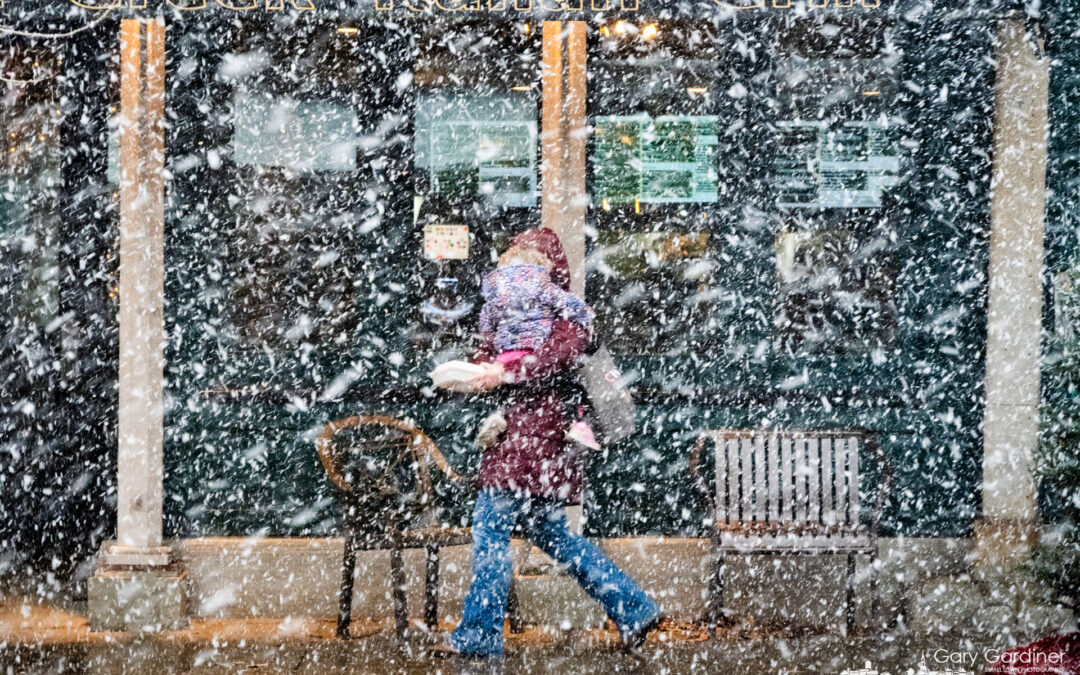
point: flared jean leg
(480, 632)
(623, 600)
(481, 629)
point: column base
(136, 556)
(1001, 544)
(129, 592)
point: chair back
(381, 465)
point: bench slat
(746, 505)
(802, 470)
(787, 511)
(853, 482)
(760, 494)
(734, 512)
(784, 543)
(840, 476)
(720, 512)
(813, 480)
(828, 461)
(773, 477)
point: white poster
(446, 242)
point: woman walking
(528, 474)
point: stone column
(136, 585)
(562, 181)
(1007, 528)
(563, 136)
(563, 148)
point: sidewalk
(38, 638)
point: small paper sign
(446, 242)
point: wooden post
(563, 137)
(136, 585)
(142, 215)
(562, 182)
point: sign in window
(836, 144)
(288, 133)
(669, 159)
(476, 145)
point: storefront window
(302, 135)
(476, 168)
(838, 156)
(295, 135)
(477, 114)
(654, 184)
(30, 185)
(700, 135)
(667, 160)
(476, 145)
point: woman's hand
(492, 377)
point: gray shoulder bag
(613, 408)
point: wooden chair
(382, 468)
(790, 493)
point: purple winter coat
(521, 303)
(532, 455)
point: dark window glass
(477, 114)
(837, 158)
(295, 238)
(669, 159)
(30, 185)
(654, 182)
(835, 287)
(476, 145)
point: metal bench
(790, 493)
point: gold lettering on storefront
(195, 5)
(436, 6)
(430, 6)
(787, 4)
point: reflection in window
(654, 181)
(843, 167)
(836, 290)
(476, 116)
(476, 145)
(299, 135)
(299, 286)
(296, 231)
(838, 159)
(640, 273)
(837, 145)
(30, 182)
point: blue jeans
(480, 632)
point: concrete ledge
(1001, 545)
(264, 577)
(237, 577)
